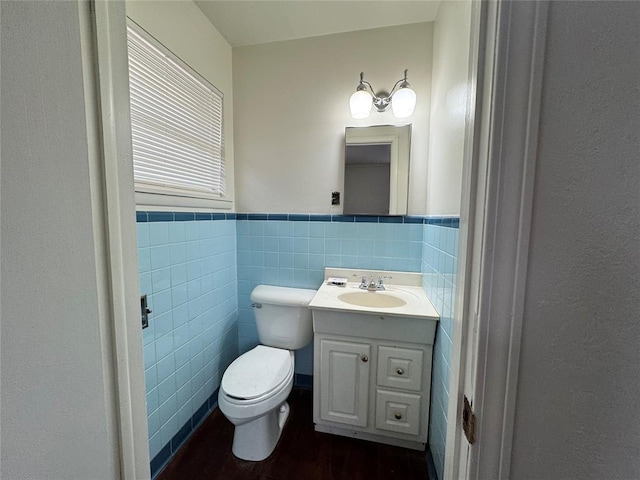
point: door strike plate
(468, 422)
(144, 311)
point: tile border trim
(303, 381)
(431, 466)
(443, 221)
(166, 453)
(144, 217)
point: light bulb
(360, 104)
(403, 102)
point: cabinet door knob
(400, 371)
(364, 358)
(398, 416)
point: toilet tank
(282, 316)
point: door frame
(105, 62)
(498, 179)
(506, 74)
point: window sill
(164, 202)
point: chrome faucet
(371, 285)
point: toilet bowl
(253, 397)
(255, 387)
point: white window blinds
(176, 123)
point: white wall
(577, 412)
(57, 412)
(448, 107)
(292, 106)
(184, 30)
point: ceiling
(251, 22)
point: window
(176, 126)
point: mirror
(376, 170)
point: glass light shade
(403, 102)
(360, 104)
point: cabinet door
(344, 382)
(398, 412)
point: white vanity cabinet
(372, 376)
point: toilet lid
(256, 372)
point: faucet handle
(363, 279)
(381, 281)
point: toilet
(256, 385)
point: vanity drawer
(398, 412)
(400, 368)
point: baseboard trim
(431, 466)
(372, 437)
(303, 381)
(162, 459)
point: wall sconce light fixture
(401, 98)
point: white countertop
(417, 303)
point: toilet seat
(257, 374)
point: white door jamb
(120, 244)
(513, 104)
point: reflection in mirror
(367, 173)
(376, 173)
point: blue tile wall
(439, 264)
(293, 250)
(199, 269)
(188, 269)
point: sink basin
(405, 297)
(372, 299)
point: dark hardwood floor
(301, 454)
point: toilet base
(256, 440)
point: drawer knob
(400, 371)
(398, 416)
(364, 358)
